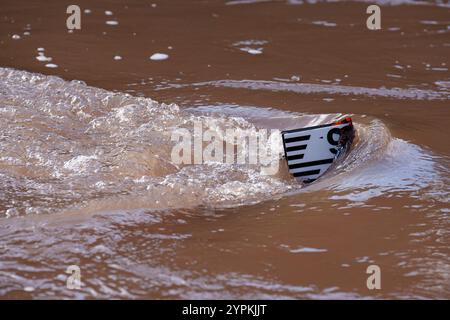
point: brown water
(85, 171)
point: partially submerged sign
(311, 151)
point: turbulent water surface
(87, 177)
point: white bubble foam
(12, 212)
(51, 65)
(108, 13)
(43, 58)
(251, 42)
(252, 50)
(80, 163)
(117, 58)
(15, 37)
(324, 23)
(428, 22)
(159, 56)
(112, 23)
(439, 69)
(444, 84)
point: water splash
(65, 146)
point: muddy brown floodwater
(86, 176)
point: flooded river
(87, 177)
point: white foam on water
(328, 88)
(11, 212)
(252, 51)
(159, 56)
(393, 75)
(99, 141)
(112, 23)
(324, 23)
(51, 65)
(429, 22)
(251, 42)
(307, 250)
(249, 46)
(15, 37)
(43, 58)
(443, 83)
(439, 69)
(80, 164)
(439, 3)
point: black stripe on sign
(296, 157)
(306, 173)
(311, 163)
(296, 148)
(295, 139)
